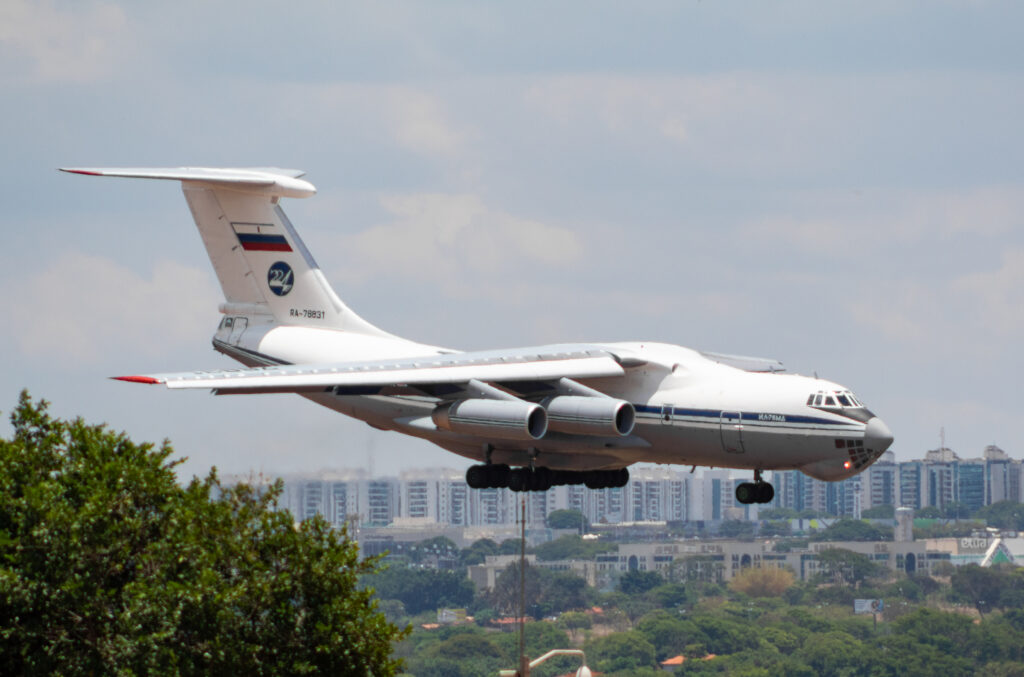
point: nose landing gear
(757, 491)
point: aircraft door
(732, 432)
(666, 414)
(237, 329)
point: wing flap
(433, 369)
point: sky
(839, 186)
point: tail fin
(262, 265)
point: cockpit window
(843, 398)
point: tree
(109, 566)
(778, 514)
(879, 512)
(571, 547)
(422, 589)
(852, 530)
(776, 528)
(762, 582)
(574, 621)
(620, 651)
(1003, 514)
(639, 582)
(737, 529)
(846, 566)
(546, 592)
(477, 552)
(956, 510)
(980, 587)
(567, 519)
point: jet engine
(507, 419)
(590, 415)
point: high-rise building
(880, 482)
(912, 475)
(1002, 476)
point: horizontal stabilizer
(497, 366)
(263, 180)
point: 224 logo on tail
(280, 278)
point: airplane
(531, 418)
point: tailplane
(263, 266)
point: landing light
(847, 465)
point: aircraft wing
(525, 365)
(755, 364)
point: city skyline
(413, 498)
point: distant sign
(868, 606)
(449, 616)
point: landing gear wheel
(754, 492)
(519, 479)
(487, 476)
(746, 493)
(497, 476)
(477, 476)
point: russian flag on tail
(260, 237)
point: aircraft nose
(877, 436)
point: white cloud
(995, 298)
(83, 307)
(456, 239)
(63, 45)
(972, 311)
(420, 123)
(860, 222)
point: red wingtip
(81, 171)
(136, 379)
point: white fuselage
(690, 410)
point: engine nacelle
(507, 419)
(590, 415)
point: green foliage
(669, 595)
(776, 528)
(420, 589)
(108, 566)
(938, 529)
(669, 634)
(510, 546)
(879, 512)
(845, 566)
(778, 514)
(567, 519)
(477, 552)
(571, 547)
(438, 546)
(639, 582)
(741, 529)
(987, 589)
(1004, 515)
(852, 530)
(546, 592)
(620, 651)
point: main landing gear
(757, 491)
(500, 476)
